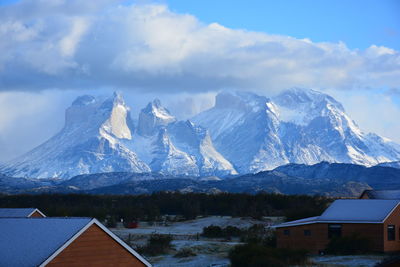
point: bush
(216, 231)
(156, 245)
(270, 240)
(254, 255)
(232, 231)
(254, 234)
(348, 245)
(213, 231)
(184, 253)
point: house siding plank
(36, 215)
(393, 219)
(318, 240)
(94, 247)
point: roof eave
(330, 221)
(41, 213)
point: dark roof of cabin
(30, 241)
(16, 213)
(351, 211)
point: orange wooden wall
(95, 248)
(318, 239)
(393, 219)
(36, 215)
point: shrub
(348, 245)
(254, 234)
(216, 231)
(254, 255)
(212, 231)
(232, 231)
(270, 239)
(184, 253)
(156, 245)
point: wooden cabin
(63, 242)
(376, 220)
(21, 213)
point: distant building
(62, 242)
(380, 194)
(21, 213)
(377, 220)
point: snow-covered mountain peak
(118, 123)
(301, 106)
(152, 117)
(109, 117)
(300, 96)
(244, 101)
(242, 133)
(83, 100)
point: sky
(184, 52)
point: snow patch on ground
(347, 261)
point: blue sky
(358, 23)
(53, 51)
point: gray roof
(375, 210)
(30, 241)
(16, 213)
(351, 211)
(383, 194)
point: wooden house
(21, 213)
(62, 242)
(376, 220)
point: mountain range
(329, 179)
(243, 133)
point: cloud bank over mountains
(89, 44)
(147, 50)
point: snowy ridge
(297, 126)
(176, 147)
(242, 133)
(90, 142)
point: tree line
(151, 207)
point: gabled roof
(36, 241)
(18, 212)
(382, 194)
(351, 211)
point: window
(334, 230)
(307, 232)
(286, 232)
(391, 232)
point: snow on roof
(16, 213)
(298, 222)
(30, 241)
(351, 211)
(372, 210)
(383, 194)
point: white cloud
(27, 119)
(68, 44)
(148, 46)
